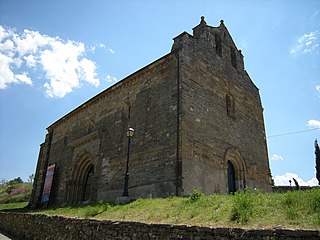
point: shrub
(9, 189)
(241, 209)
(194, 196)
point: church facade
(198, 123)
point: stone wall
(94, 135)
(282, 189)
(214, 130)
(27, 226)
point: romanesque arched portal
(80, 185)
(235, 170)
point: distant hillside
(13, 193)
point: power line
(289, 133)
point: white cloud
(23, 78)
(101, 45)
(62, 61)
(87, 71)
(111, 50)
(30, 60)
(276, 157)
(283, 180)
(307, 43)
(111, 79)
(4, 33)
(7, 45)
(318, 88)
(7, 76)
(63, 68)
(313, 123)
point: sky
(55, 55)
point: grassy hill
(15, 193)
(297, 209)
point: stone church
(198, 123)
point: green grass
(11, 206)
(297, 210)
(24, 196)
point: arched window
(88, 184)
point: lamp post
(130, 133)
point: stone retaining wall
(281, 189)
(27, 226)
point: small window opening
(230, 105)
(218, 44)
(233, 57)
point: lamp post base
(123, 200)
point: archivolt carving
(81, 163)
(233, 155)
(81, 166)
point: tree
(296, 183)
(31, 178)
(15, 181)
(317, 152)
(3, 182)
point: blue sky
(54, 55)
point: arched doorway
(235, 170)
(231, 178)
(81, 185)
(88, 184)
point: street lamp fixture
(130, 133)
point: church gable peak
(215, 41)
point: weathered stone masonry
(28, 226)
(198, 121)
